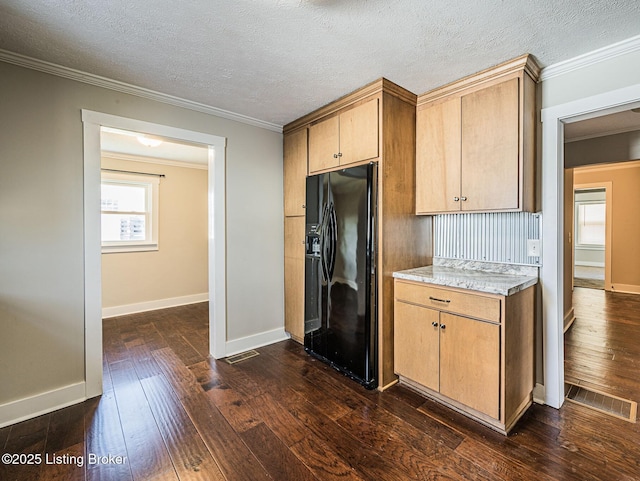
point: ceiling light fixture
(148, 141)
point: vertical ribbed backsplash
(490, 237)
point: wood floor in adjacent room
(602, 347)
(175, 414)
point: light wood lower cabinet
(469, 350)
(294, 236)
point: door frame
(608, 193)
(551, 273)
(92, 121)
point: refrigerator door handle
(324, 245)
(333, 239)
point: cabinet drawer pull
(431, 298)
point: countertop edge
(520, 283)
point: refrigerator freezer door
(343, 297)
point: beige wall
(41, 214)
(625, 257)
(179, 267)
(606, 149)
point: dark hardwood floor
(172, 413)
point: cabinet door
(294, 232)
(470, 362)
(490, 148)
(295, 172)
(416, 351)
(324, 144)
(359, 133)
(438, 157)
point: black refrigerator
(340, 271)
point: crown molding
(607, 133)
(153, 160)
(596, 56)
(98, 81)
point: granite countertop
(503, 279)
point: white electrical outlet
(533, 247)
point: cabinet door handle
(442, 326)
(335, 156)
(434, 324)
(439, 300)
(456, 199)
(304, 206)
(339, 154)
(463, 199)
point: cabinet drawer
(448, 300)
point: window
(590, 224)
(129, 212)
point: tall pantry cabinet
(376, 123)
(295, 172)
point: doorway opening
(552, 274)
(592, 227)
(93, 122)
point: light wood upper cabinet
(359, 133)
(324, 144)
(438, 163)
(346, 138)
(294, 237)
(475, 145)
(490, 141)
(295, 172)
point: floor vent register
(243, 356)
(604, 403)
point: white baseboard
(255, 341)
(46, 402)
(153, 305)
(539, 395)
(628, 288)
(589, 264)
(569, 318)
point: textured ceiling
(275, 60)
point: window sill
(129, 248)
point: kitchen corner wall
(178, 269)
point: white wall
(603, 74)
(41, 244)
(601, 81)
